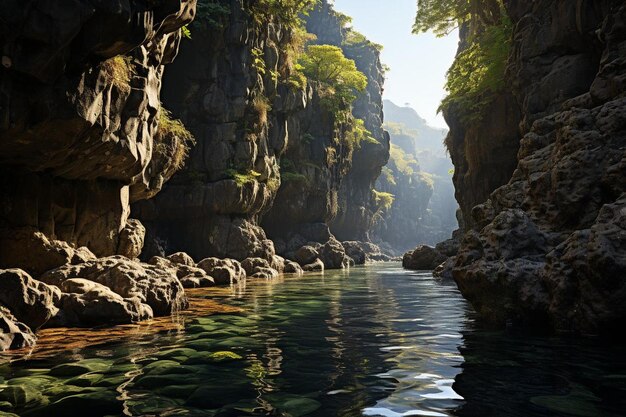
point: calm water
(376, 341)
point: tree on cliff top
(479, 67)
(443, 16)
(327, 64)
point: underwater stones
(87, 303)
(32, 302)
(155, 286)
(131, 239)
(223, 271)
(85, 366)
(423, 258)
(13, 334)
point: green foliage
(383, 200)
(294, 177)
(338, 76)
(399, 129)
(172, 140)
(328, 65)
(479, 70)
(354, 38)
(404, 163)
(118, 71)
(440, 16)
(211, 13)
(387, 174)
(242, 178)
(357, 133)
(186, 32)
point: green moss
(118, 71)
(404, 162)
(383, 200)
(242, 178)
(294, 177)
(172, 140)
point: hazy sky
(418, 62)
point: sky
(418, 62)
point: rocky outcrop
(548, 247)
(423, 258)
(81, 130)
(229, 87)
(80, 100)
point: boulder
(31, 302)
(181, 258)
(223, 271)
(131, 239)
(86, 303)
(13, 334)
(315, 266)
(333, 255)
(355, 251)
(259, 268)
(35, 253)
(306, 255)
(292, 268)
(423, 258)
(154, 285)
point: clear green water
(375, 341)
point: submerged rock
(315, 266)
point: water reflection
(375, 341)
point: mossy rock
(23, 395)
(87, 380)
(298, 407)
(160, 381)
(100, 403)
(80, 368)
(59, 391)
(177, 391)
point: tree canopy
(327, 64)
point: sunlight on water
(375, 341)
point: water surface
(374, 341)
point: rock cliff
(548, 247)
(327, 181)
(229, 88)
(80, 100)
(82, 135)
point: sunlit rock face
(549, 247)
(240, 116)
(333, 183)
(80, 99)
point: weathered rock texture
(549, 246)
(223, 88)
(80, 99)
(327, 182)
(79, 127)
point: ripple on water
(375, 341)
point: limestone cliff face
(78, 113)
(225, 88)
(549, 246)
(316, 162)
(333, 183)
(357, 207)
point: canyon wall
(80, 105)
(548, 247)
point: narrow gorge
(217, 208)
